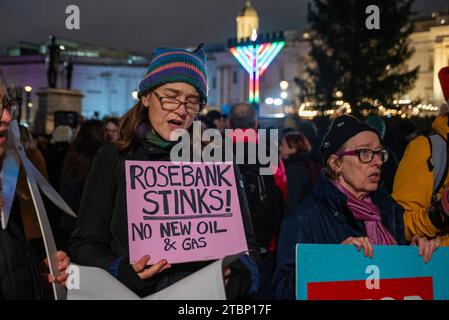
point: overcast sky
(140, 25)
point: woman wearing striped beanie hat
(171, 94)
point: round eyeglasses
(193, 108)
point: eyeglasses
(366, 155)
(193, 108)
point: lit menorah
(255, 56)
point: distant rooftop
(424, 21)
(78, 51)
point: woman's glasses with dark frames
(193, 108)
(366, 155)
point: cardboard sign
(340, 272)
(183, 212)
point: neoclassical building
(430, 41)
(106, 77)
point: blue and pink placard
(340, 272)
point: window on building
(214, 82)
(234, 77)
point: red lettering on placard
(390, 289)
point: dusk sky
(140, 25)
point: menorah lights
(255, 55)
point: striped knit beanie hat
(177, 65)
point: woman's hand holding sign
(145, 272)
(361, 242)
(426, 247)
(62, 265)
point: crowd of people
(341, 181)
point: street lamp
(283, 85)
(269, 100)
(134, 95)
(28, 103)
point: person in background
(301, 170)
(424, 199)
(57, 149)
(389, 168)
(400, 135)
(82, 151)
(111, 129)
(206, 123)
(264, 197)
(217, 119)
(28, 221)
(346, 206)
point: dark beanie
(342, 129)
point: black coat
(324, 218)
(100, 238)
(298, 181)
(19, 273)
(264, 197)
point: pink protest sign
(183, 212)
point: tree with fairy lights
(364, 64)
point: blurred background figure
(89, 139)
(322, 124)
(388, 168)
(218, 120)
(206, 123)
(27, 220)
(57, 149)
(111, 129)
(264, 197)
(400, 135)
(301, 170)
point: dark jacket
(100, 238)
(299, 183)
(324, 218)
(264, 197)
(20, 278)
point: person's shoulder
(420, 142)
(296, 168)
(109, 148)
(108, 152)
(306, 210)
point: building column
(441, 59)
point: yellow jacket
(413, 185)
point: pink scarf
(366, 211)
